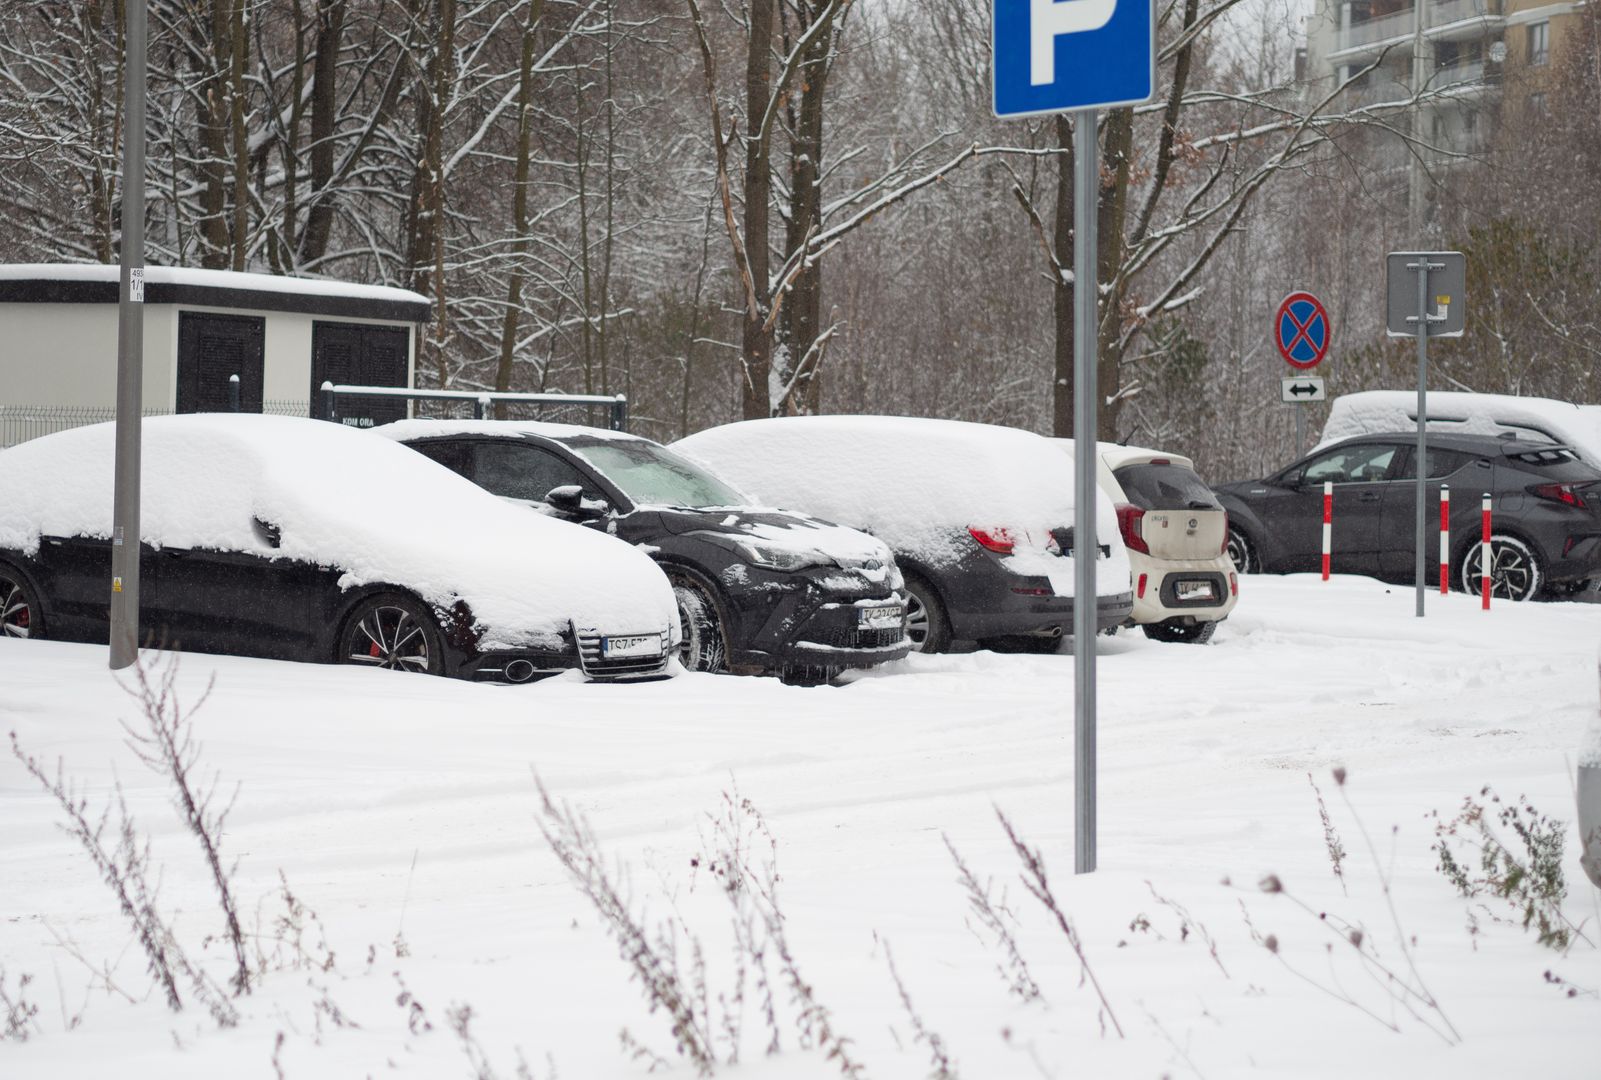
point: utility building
(283, 337)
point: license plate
(637, 645)
(880, 618)
(1194, 590)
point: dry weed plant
(1402, 986)
(667, 959)
(1037, 881)
(939, 1058)
(997, 919)
(1188, 925)
(1331, 839)
(18, 1021)
(1512, 852)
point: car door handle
(1369, 496)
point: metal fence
(19, 423)
(361, 406)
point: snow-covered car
(1532, 419)
(759, 590)
(975, 514)
(302, 540)
(1176, 532)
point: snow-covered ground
(403, 812)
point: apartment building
(1484, 59)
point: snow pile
(402, 430)
(375, 510)
(210, 279)
(917, 484)
(1539, 419)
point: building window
(1537, 104)
(1539, 43)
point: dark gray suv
(1546, 512)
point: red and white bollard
(1445, 539)
(1328, 524)
(1484, 557)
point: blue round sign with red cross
(1301, 330)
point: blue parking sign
(1055, 55)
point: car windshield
(652, 475)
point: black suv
(759, 591)
(1545, 513)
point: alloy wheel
(916, 621)
(16, 613)
(389, 637)
(1514, 569)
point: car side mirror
(569, 499)
(267, 532)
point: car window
(451, 453)
(1359, 464)
(1442, 463)
(1165, 486)
(515, 470)
(652, 475)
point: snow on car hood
(1374, 412)
(917, 484)
(341, 498)
(782, 529)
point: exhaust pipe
(518, 671)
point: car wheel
(394, 632)
(1195, 633)
(702, 648)
(1243, 552)
(926, 625)
(20, 616)
(1515, 570)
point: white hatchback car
(1176, 532)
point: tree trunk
(1116, 155)
(756, 341)
(803, 305)
(324, 108)
(525, 145)
(241, 143)
(1062, 294)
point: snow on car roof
(402, 430)
(341, 498)
(1537, 419)
(211, 279)
(911, 481)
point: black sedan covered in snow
(302, 540)
(758, 590)
(1545, 515)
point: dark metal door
(211, 349)
(360, 355)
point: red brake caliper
(22, 618)
(374, 650)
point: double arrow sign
(1303, 388)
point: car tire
(1243, 552)
(392, 631)
(20, 613)
(927, 626)
(1516, 572)
(1195, 633)
(702, 647)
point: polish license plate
(635, 645)
(1194, 590)
(888, 617)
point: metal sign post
(1407, 316)
(124, 613)
(1078, 56)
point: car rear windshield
(1165, 486)
(1558, 465)
(652, 475)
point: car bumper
(1046, 616)
(833, 636)
(1160, 588)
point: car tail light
(998, 540)
(1141, 592)
(1562, 493)
(1161, 461)
(1128, 519)
(1224, 550)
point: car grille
(596, 666)
(855, 638)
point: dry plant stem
(1038, 884)
(938, 1057)
(1186, 920)
(169, 749)
(654, 964)
(1331, 839)
(1015, 973)
(1421, 991)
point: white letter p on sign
(1050, 19)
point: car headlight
(777, 557)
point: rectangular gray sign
(1447, 286)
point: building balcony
(1447, 20)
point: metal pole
(124, 612)
(1086, 333)
(233, 393)
(1300, 428)
(1423, 424)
